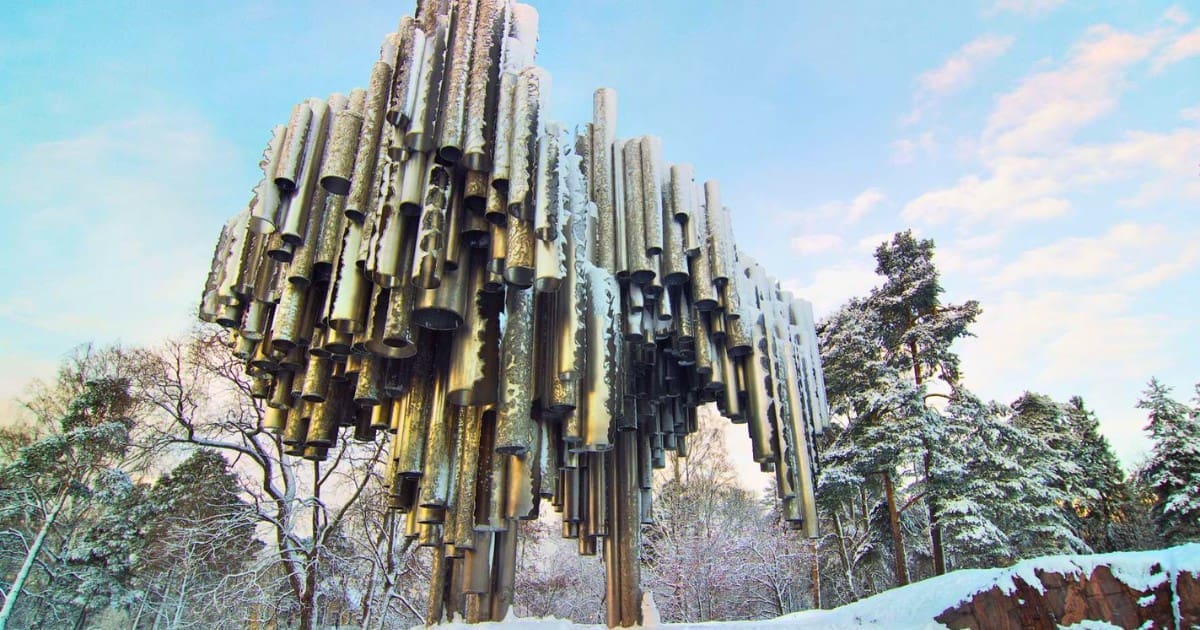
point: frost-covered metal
(532, 315)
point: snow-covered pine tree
(974, 479)
(1173, 472)
(884, 412)
(917, 331)
(1101, 497)
(53, 494)
(1046, 421)
(1039, 521)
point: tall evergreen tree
(885, 411)
(1101, 498)
(974, 478)
(49, 491)
(917, 332)
(1173, 472)
(1046, 421)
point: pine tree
(974, 479)
(1041, 521)
(917, 332)
(1173, 472)
(51, 488)
(1046, 421)
(885, 412)
(1101, 498)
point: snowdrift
(1159, 589)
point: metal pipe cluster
(531, 313)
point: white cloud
(831, 285)
(1026, 7)
(956, 73)
(861, 205)
(1035, 188)
(1064, 343)
(1176, 14)
(1128, 256)
(1190, 113)
(907, 150)
(845, 213)
(809, 244)
(1047, 108)
(1183, 47)
(115, 231)
(959, 70)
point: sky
(1050, 148)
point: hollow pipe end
(336, 184)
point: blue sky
(1051, 148)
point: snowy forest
(138, 490)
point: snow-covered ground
(915, 605)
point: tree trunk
(816, 572)
(935, 528)
(843, 554)
(901, 565)
(14, 591)
(307, 598)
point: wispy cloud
(1026, 7)
(109, 219)
(1027, 146)
(809, 244)
(1018, 189)
(831, 285)
(1048, 107)
(907, 150)
(1183, 47)
(1129, 256)
(842, 212)
(956, 73)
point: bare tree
(203, 398)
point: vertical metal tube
(435, 480)
(519, 270)
(418, 409)
(291, 158)
(652, 206)
(676, 213)
(265, 218)
(604, 128)
(421, 132)
(628, 520)
(342, 146)
(704, 295)
(475, 347)
(405, 61)
(602, 402)
(483, 86)
(349, 289)
(296, 205)
(443, 308)
(505, 113)
(515, 428)
(720, 235)
(638, 263)
(466, 462)
(549, 258)
(452, 107)
(532, 86)
(367, 156)
(429, 255)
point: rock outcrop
(1058, 599)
